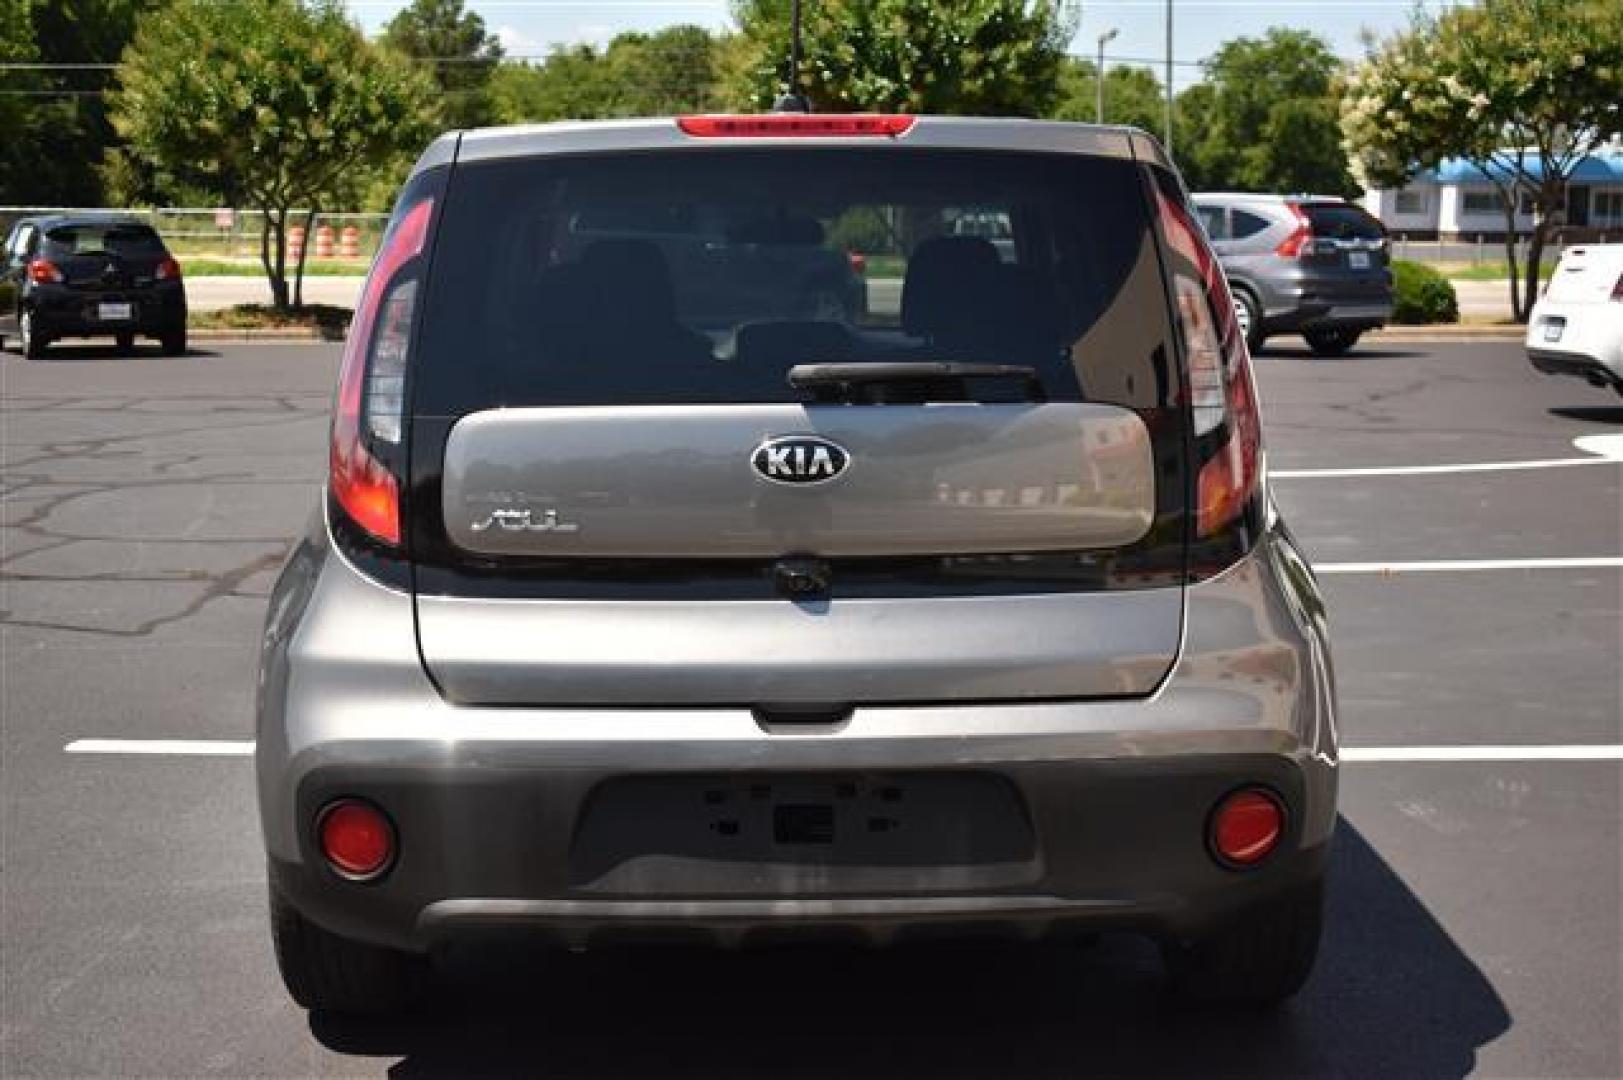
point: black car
(87, 276)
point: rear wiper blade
(810, 375)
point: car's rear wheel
(328, 973)
(1336, 341)
(1260, 959)
(1248, 313)
(174, 342)
(34, 343)
(126, 342)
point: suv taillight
(371, 382)
(796, 125)
(1223, 397)
(44, 272)
(1301, 238)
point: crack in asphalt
(40, 480)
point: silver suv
(1301, 264)
(962, 609)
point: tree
(275, 102)
(1524, 90)
(1132, 95)
(981, 57)
(452, 44)
(54, 137)
(1268, 121)
(673, 71)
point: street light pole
(1169, 79)
(1099, 74)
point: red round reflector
(1247, 826)
(356, 838)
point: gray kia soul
(653, 596)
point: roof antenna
(793, 101)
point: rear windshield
(703, 276)
(1341, 221)
(127, 240)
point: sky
(529, 28)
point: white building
(1457, 201)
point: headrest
(633, 273)
(945, 275)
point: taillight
(787, 125)
(1617, 289)
(371, 382)
(44, 272)
(1223, 397)
(168, 270)
(859, 262)
(1300, 238)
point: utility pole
(793, 101)
(1168, 139)
(1099, 73)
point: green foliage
(1421, 295)
(54, 138)
(1265, 120)
(1505, 85)
(974, 57)
(451, 44)
(275, 103)
(676, 70)
(1132, 95)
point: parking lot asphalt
(1474, 926)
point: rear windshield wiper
(808, 376)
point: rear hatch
(105, 259)
(970, 487)
(1592, 274)
(1348, 253)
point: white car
(1577, 325)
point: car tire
(32, 342)
(1249, 314)
(174, 343)
(324, 972)
(1260, 959)
(126, 342)
(1332, 342)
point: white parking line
(1352, 755)
(1604, 450)
(1365, 755)
(163, 747)
(1467, 565)
(1438, 470)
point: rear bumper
(63, 312)
(501, 811)
(1577, 365)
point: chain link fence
(230, 234)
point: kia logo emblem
(799, 459)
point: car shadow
(1393, 995)
(1302, 352)
(76, 353)
(1592, 414)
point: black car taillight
(367, 423)
(44, 272)
(168, 269)
(1226, 423)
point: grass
(886, 266)
(326, 320)
(1495, 271)
(205, 266)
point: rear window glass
(1340, 221)
(66, 240)
(703, 276)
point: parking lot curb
(1448, 332)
